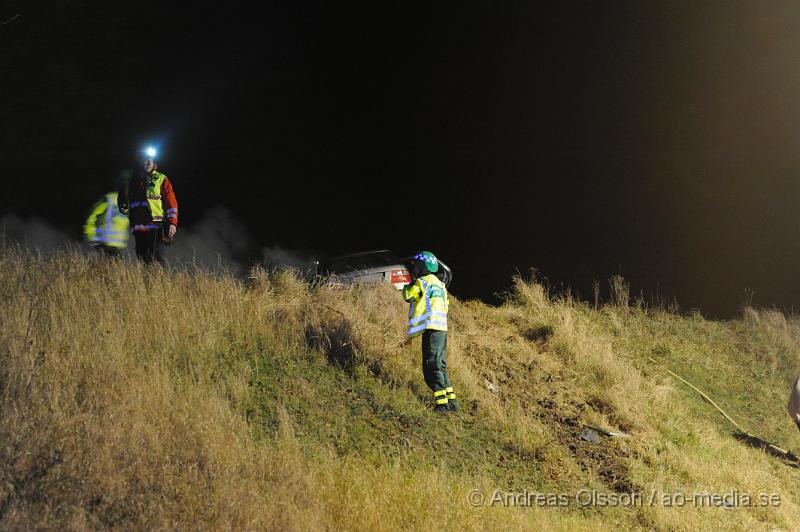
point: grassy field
(135, 398)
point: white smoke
(219, 242)
(33, 233)
(277, 257)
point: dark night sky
(658, 140)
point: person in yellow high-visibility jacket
(428, 318)
(106, 229)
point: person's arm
(123, 194)
(90, 227)
(412, 291)
(170, 204)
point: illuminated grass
(135, 398)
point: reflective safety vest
(153, 198)
(106, 226)
(429, 305)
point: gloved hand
(169, 236)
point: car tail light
(400, 276)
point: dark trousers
(108, 251)
(149, 246)
(434, 360)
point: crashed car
(378, 266)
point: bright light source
(150, 151)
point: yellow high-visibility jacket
(106, 226)
(151, 201)
(429, 305)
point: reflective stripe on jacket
(105, 225)
(429, 304)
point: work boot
(440, 400)
(452, 402)
(441, 409)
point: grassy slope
(139, 399)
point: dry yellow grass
(136, 398)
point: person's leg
(146, 250)
(158, 246)
(140, 239)
(110, 251)
(452, 402)
(432, 368)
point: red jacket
(139, 213)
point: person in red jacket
(151, 206)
